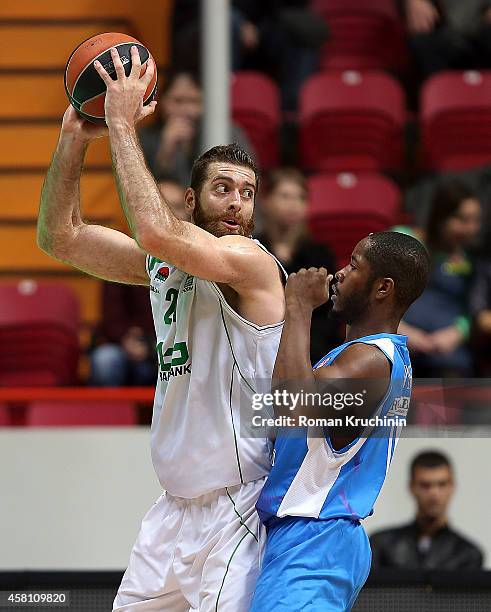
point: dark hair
(286, 174)
(231, 153)
(429, 459)
(172, 74)
(402, 258)
(166, 81)
(445, 203)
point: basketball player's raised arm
(234, 260)
(61, 232)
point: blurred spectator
(279, 37)
(480, 304)
(173, 193)
(438, 323)
(125, 340)
(449, 34)
(427, 542)
(285, 234)
(173, 141)
(418, 200)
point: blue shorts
(312, 565)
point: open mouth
(231, 223)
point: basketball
(85, 88)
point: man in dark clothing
(428, 542)
(448, 34)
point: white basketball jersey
(207, 353)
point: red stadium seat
(256, 109)
(31, 303)
(345, 208)
(38, 334)
(80, 413)
(456, 120)
(5, 417)
(351, 121)
(364, 34)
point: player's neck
(359, 329)
(430, 525)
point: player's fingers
(327, 283)
(102, 72)
(135, 62)
(148, 110)
(150, 71)
(118, 64)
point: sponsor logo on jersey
(175, 371)
(173, 361)
(399, 407)
(162, 274)
(188, 284)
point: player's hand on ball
(75, 125)
(308, 288)
(124, 96)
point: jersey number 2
(170, 313)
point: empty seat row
(351, 120)
(348, 120)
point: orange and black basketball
(85, 88)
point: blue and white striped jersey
(311, 479)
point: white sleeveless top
(208, 356)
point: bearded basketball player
(218, 304)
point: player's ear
(190, 200)
(386, 287)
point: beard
(352, 307)
(213, 223)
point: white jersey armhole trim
(235, 314)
